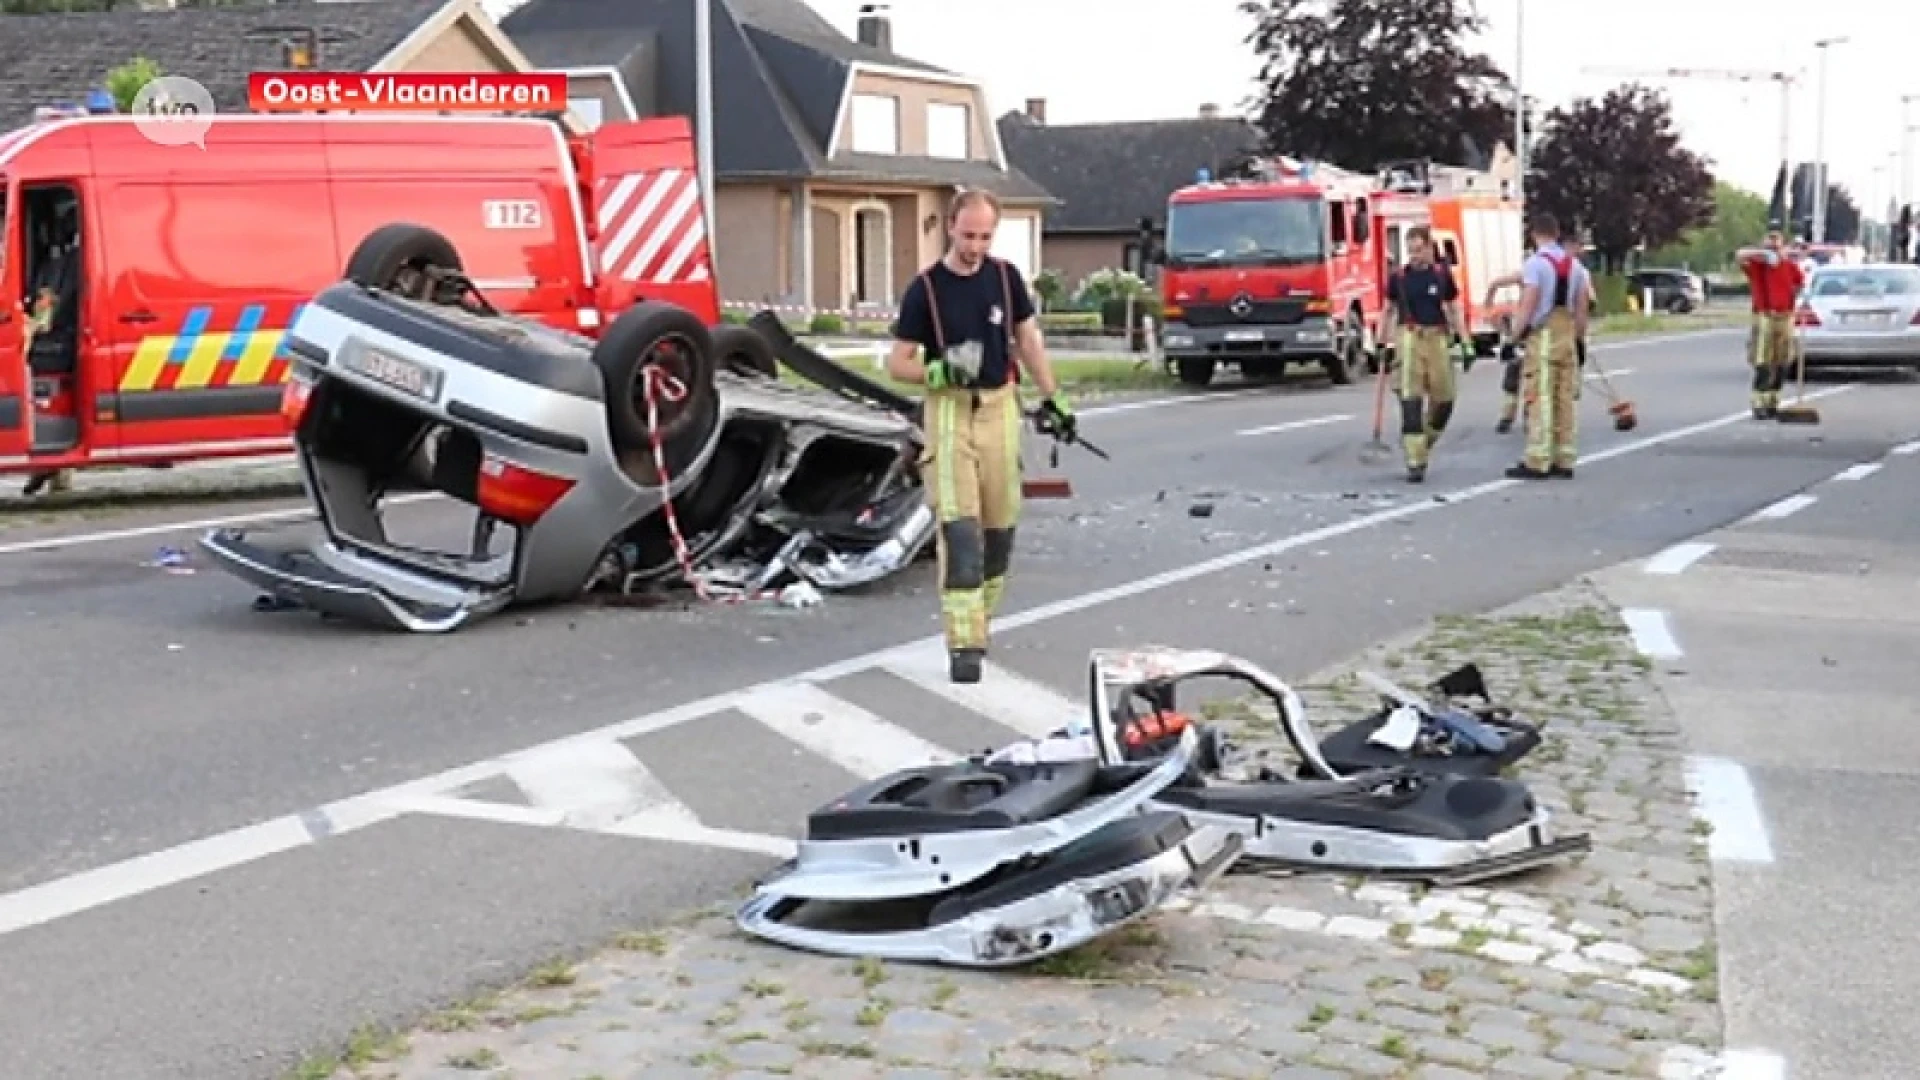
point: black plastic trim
(153, 406)
(12, 411)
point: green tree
(1363, 82)
(125, 81)
(1739, 218)
(1615, 167)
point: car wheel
(395, 258)
(664, 338)
(743, 351)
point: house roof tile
(1109, 176)
(59, 57)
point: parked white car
(1860, 316)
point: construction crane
(1786, 79)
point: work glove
(939, 376)
(1466, 352)
(1509, 352)
(1055, 417)
(1580, 350)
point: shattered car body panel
(1393, 822)
(988, 865)
(392, 393)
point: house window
(588, 110)
(876, 124)
(947, 130)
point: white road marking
(1786, 507)
(1687, 1063)
(1858, 472)
(54, 543)
(1651, 635)
(1295, 425)
(1612, 373)
(1906, 448)
(1724, 798)
(1022, 704)
(1677, 558)
(593, 785)
(840, 731)
(48, 901)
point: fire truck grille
(1266, 312)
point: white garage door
(1014, 242)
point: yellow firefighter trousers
(1772, 350)
(1552, 376)
(971, 467)
(1426, 389)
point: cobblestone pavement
(1602, 967)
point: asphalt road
(149, 709)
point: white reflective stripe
(589, 317)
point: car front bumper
(1309, 337)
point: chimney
(1209, 111)
(1037, 110)
(876, 31)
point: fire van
(1289, 266)
(1482, 237)
(145, 288)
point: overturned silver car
(665, 453)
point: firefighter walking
(1555, 300)
(972, 316)
(1423, 319)
(1776, 279)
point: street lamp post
(1820, 145)
(1519, 102)
(1900, 195)
(703, 120)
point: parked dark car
(1676, 291)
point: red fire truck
(1288, 267)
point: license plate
(387, 369)
(1245, 335)
(1862, 318)
(1315, 336)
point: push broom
(1055, 484)
(1376, 450)
(1624, 418)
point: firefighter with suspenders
(973, 317)
(1423, 308)
(1555, 301)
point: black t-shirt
(972, 307)
(1422, 293)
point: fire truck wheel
(1195, 371)
(741, 350)
(669, 338)
(391, 257)
(1347, 355)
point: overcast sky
(1102, 60)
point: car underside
(661, 456)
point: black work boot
(1564, 472)
(1505, 425)
(965, 665)
(1523, 471)
(1416, 474)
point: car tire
(744, 351)
(386, 256)
(651, 334)
(1194, 371)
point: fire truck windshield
(1246, 232)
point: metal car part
(887, 864)
(1038, 918)
(1400, 822)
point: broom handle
(1380, 400)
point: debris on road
(1604, 966)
